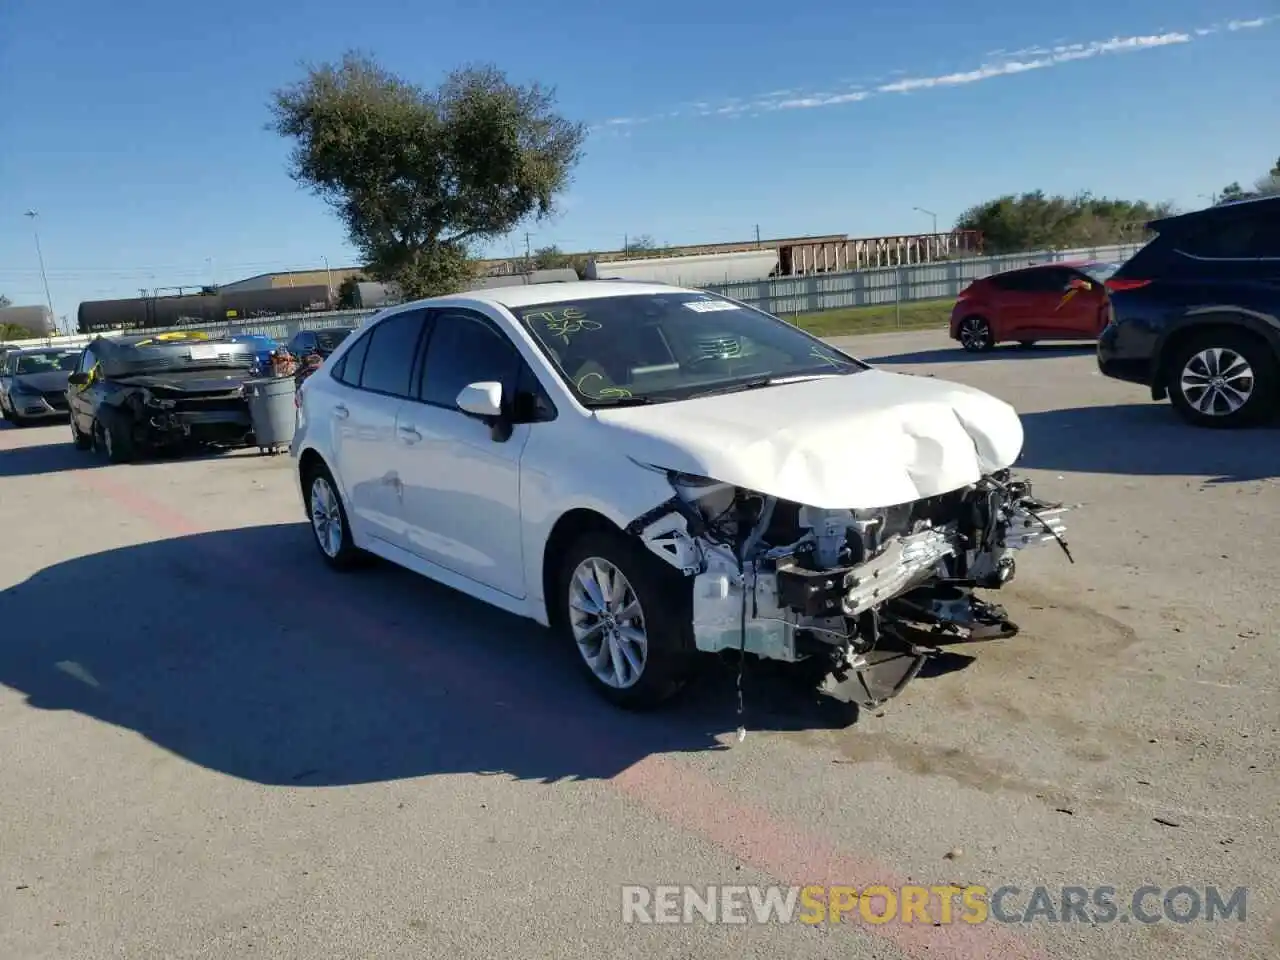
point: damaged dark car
(134, 396)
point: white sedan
(659, 472)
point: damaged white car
(661, 473)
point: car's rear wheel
(975, 334)
(329, 525)
(1224, 378)
(629, 617)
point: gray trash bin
(272, 411)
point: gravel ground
(215, 748)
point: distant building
(293, 278)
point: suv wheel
(1223, 378)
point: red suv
(1050, 301)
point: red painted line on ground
(665, 787)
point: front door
(80, 396)
(461, 481)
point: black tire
(975, 334)
(4, 411)
(665, 600)
(342, 554)
(78, 439)
(1232, 352)
(113, 435)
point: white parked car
(659, 472)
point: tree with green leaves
(1016, 223)
(348, 298)
(420, 176)
(1270, 184)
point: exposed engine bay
(860, 599)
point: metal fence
(782, 297)
(889, 285)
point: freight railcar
(98, 316)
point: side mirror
(79, 379)
(483, 399)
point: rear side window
(393, 346)
(351, 366)
(1235, 238)
(1031, 281)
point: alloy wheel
(975, 333)
(1217, 381)
(326, 517)
(608, 623)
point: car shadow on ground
(241, 652)
(1146, 439)
(1003, 352)
(46, 458)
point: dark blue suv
(1195, 314)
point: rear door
(375, 377)
(80, 396)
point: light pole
(328, 275)
(35, 231)
(929, 213)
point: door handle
(341, 412)
(410, 433)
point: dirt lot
(215, 748)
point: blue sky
(137, 130)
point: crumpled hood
(870, 439)
(49, 381)
(190, 381)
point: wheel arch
(1194, 327)
(568, 527)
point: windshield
(670, 346)
(1100, 271)
(47, 362)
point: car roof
(53, 349)
(1221, 210)
(534, 294)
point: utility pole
(528, 254)
(328, 274)
(757, 234)
(929, 213)
(35, 231)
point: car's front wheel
(1224, 378)
(78, 439)
(113, 435)
(629, 617)
(975, 334)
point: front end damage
(857, 599)
(164, 417)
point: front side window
(393, 345)
(464, 350)
(649, 347)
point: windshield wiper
(760, 382)
(594, 402)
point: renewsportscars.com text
(743, 904)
